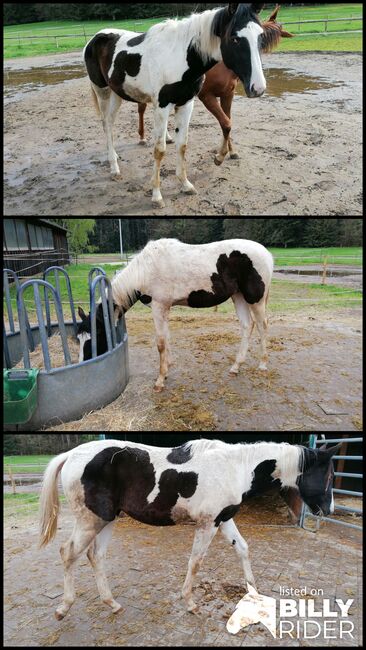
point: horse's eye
(235, 40)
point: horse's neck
(203, 37)
(282, 461)
(126, 286)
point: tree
(78, 234)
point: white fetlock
(188, 188)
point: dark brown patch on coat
(180, 455)
(136, 40)
(120, 480)
(235, 274)
(98, 57)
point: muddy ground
(300, 147)
(314, 381)
(146, 567)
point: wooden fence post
(12, 479)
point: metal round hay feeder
(69, 392)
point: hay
(56, 353)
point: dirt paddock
(146, 567)
(313, 382)
(300, 147)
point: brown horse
(221, 83)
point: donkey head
(240, 30)
(316, 481)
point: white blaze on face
(83, 337)
(332, 507)
(252, 32)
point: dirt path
(300, 153)
(149, 589)
(313, 383)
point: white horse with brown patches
(204, 481)
(169, 273)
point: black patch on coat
(146, 300)
(181, 92)
(226, 514)
(180, 455)
(119, 480)
(136, 40)
(98, 57)
(125, 64)
(235, 274)
(262, 479)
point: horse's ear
(326, 455)
(274, 14)
(257, 7)
(82, 314)
(285, 34)
(233, 8)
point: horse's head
(316, 481)
(84, 335)
(273, 32)
(241, 33)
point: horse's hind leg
(96, 555)
(259, 316)
(242, 310)
(142, 109)
(109, 104)
(85, 530)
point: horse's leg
(212, 105)
(109, 104)
(142, 109)
(96, 555)
(242, 310)
(259, 316)
(226, 104)
(85, 530)
(230, 531)
(161, 117)
(202, 540)
(160, 315)
(183, 116)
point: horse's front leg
(202, 540)
(230, 531)
(226, 104)
(183, 116)
(161, 117)
(212, 105)
(160, 315)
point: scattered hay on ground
(56, 353)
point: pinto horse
(204, 481)
(220, 82)
(166, 66)
(168, 273)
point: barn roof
(52, 224)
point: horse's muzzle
(253, 92)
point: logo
(298, 619)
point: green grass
(339, 42)
(301, 256)
(36, 464)
(23, 504)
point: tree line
(43, 443)
(282, 233)
(20, 12)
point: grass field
(26, 464)
(309, 36)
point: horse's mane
(272, 32)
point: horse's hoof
(190, 191)
(159, 205)
(143, 142)
(117, 609)
(59, 616)
(233, 374)
(234, 156)
(158, 389)
(263, 367)
(116, 177)
(170, 141)
(218, 161)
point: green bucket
(20, 395)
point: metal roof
(51, 223)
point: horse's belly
(151, 517)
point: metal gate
(314, 441)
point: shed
(30, 246)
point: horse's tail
(95, 100)
(49, 501)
